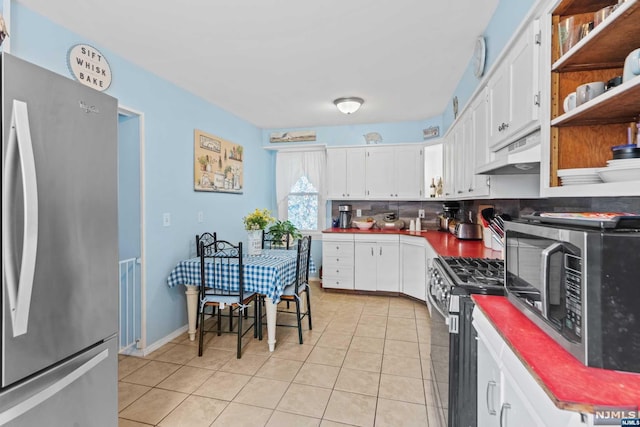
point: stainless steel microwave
(581, 286)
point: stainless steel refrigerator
(59, 250)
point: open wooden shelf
(608, 44)
(618, 105)
(574, 7)
(583, 137)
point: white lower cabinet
(376, 263)
(508, 396)
(413, 266)
(337, 261)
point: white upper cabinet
(480, 151)
(514, 90)
(409, 171)
(381, 173)
(466, 149)
(395, 172)
(384, 172)
(346, 173)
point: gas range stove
(464, 276)
(478, 275)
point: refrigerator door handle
(33, 401)
(20, 283)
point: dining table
(267, 273)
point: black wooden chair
(214, 290)
(293, 291)
(269, 241)
(206, 238)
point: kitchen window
(302, 206)
(299, 188)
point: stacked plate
(579, 176)
(618, 170)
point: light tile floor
(365, 363)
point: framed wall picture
(217, 164)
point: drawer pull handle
(491, 385)
(503, 411)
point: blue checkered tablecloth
(266, 274)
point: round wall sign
(479, 56)
(89, 66)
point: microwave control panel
(573, 301)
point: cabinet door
(355, 173)
(488, 387)
(380, 171)
(480, 145)
(524, 80)
(413, 260)
(448, 182)
(337, 175)
(498, 88)
(514, 410)
(388, 266)
(409, 171)
(365, 260)
(464, 157)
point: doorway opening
(132, 331)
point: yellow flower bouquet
(258, 219)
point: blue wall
(504, 22)
(172, 114)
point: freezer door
(81, 392)
(60, 229)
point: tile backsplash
(408, 210)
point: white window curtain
(290, 166)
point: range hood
(519, 157)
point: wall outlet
(166, 219)
(200, 216)
(358, 212)
(420, 213)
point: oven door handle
(546, 260)
(435, 305)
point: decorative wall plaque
(89, 66)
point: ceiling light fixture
(348, 105)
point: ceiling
(280, 64)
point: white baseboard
(142, 352)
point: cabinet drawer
(337, 271)
(337, 282)
(337, 249)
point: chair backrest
(221, 269)
(207, 238)
(302, 263)
(270, 242)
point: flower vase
(254, 242)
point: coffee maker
(344, 220)
(448, 216)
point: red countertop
(569, 383)
(443, 243)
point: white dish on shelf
(620, 174)
(581, 179)
(578, 173)
(567, 183)
(616, 163)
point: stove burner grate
(476, 271)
